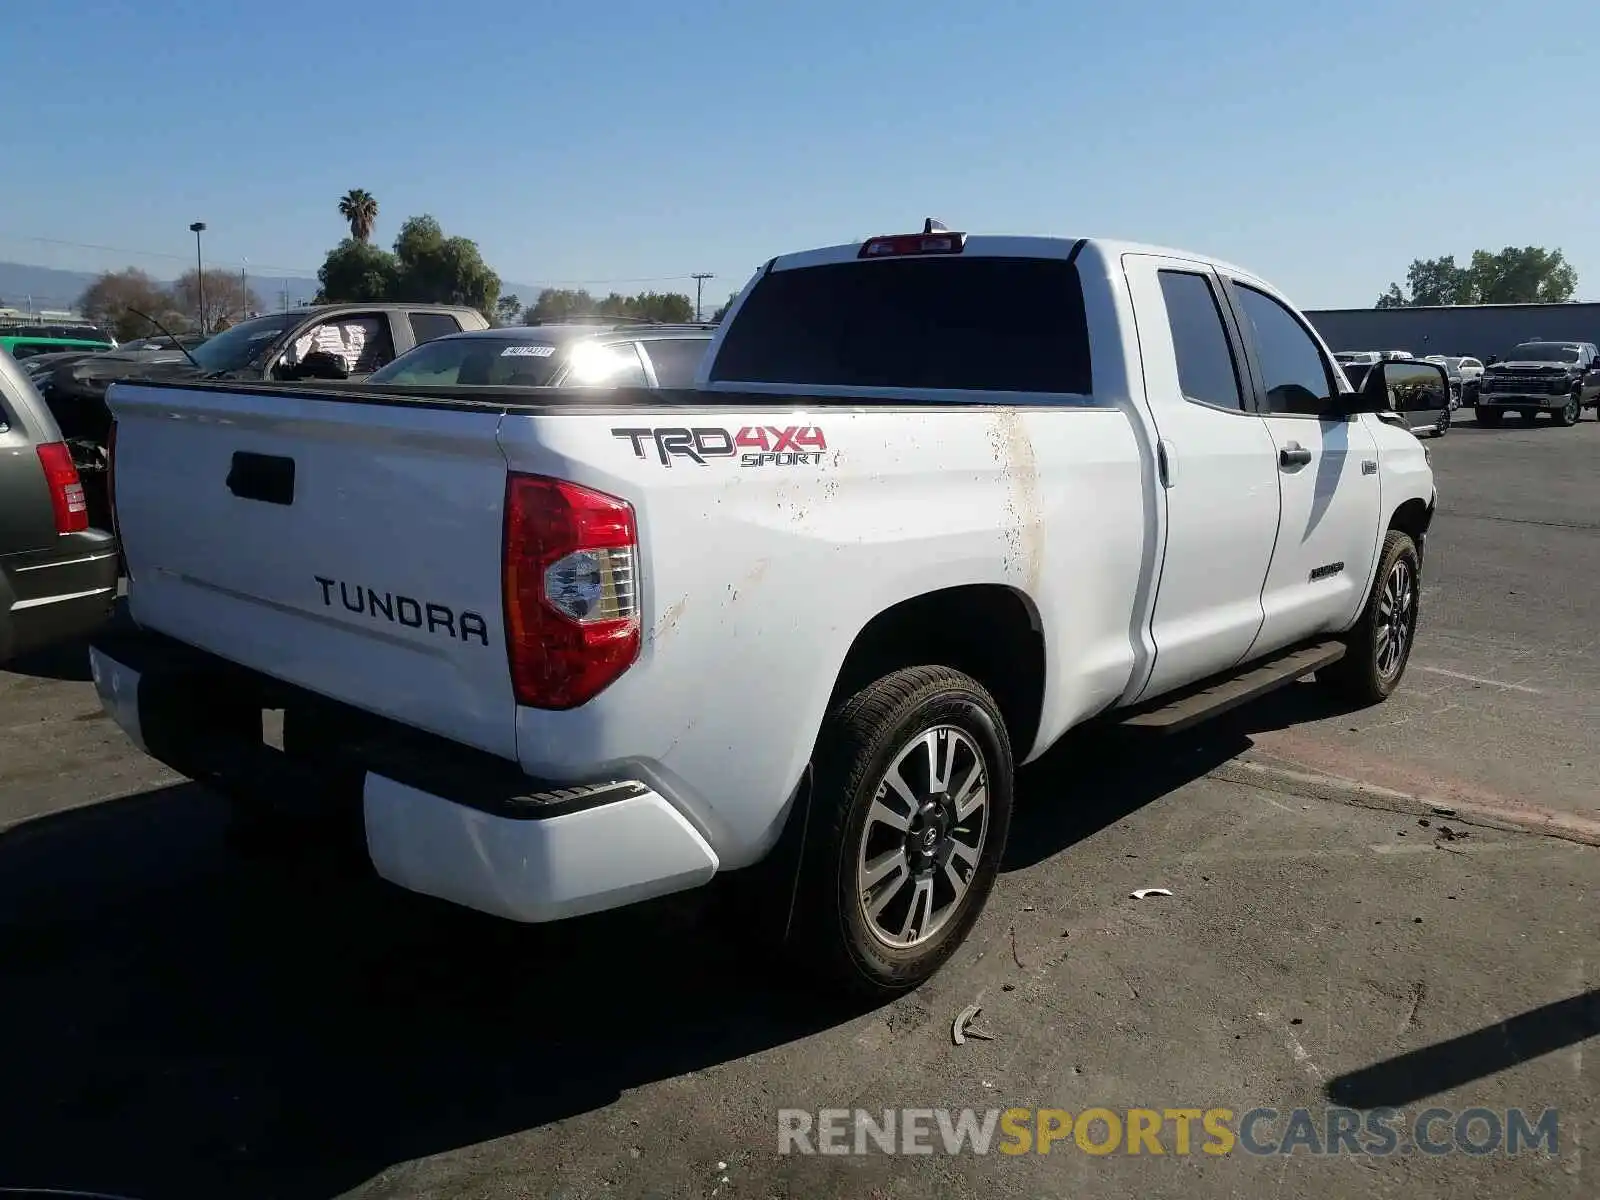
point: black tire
(860, 742)
(1569, 415)
(1361, 677)
(1489, 418)
(1443, 427)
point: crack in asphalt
(1450, 512)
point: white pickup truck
(936, 500)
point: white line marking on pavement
(1454, 848)
(1295, 1048)
(1511, 687)
(1280, 806)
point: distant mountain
(48, 287)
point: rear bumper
(57, 595)
(440, 819)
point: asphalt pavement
(179, 1017)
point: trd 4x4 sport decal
(753, 445)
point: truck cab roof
(1013, 246)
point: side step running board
(1219, 694)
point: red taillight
(66, 489)
(571, 593)
(900, 245)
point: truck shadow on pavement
(183, 1019)
(67, 661)
(1407, 1078)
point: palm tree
(359, 208)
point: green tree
(425, 267)
(508, 309)
(360, 208)
(560, 304)
(716, 317)
(1526, 275)
(669, 307)
(357, 271)
(1393, 298)
(110, 299)
(435, 269)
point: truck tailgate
(351, 548)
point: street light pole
(199, 272)
(699, 278)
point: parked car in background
(126, 357)
(324, 342)
(58, 576)
(24, 340)
(1357, 357)
(579, 354)
(1420, 410)
(164, 344)
(1371, 356)
(38, 367)
(1559, 378)
(1470, 370)
(1458, 381)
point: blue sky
(625, 143)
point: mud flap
(760, 900)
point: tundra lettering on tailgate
(463, 625)
(755, 445)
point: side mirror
(1402, 386)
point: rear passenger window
(675, 359)
(984, 324)
(1296, 379)
(426, 326)
(1206, 370)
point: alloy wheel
(1397, 613)
(923, 837)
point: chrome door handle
(1294, 455)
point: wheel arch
(1413, 518)
(991, 632)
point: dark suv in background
(58, 576)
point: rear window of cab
(985, 323)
